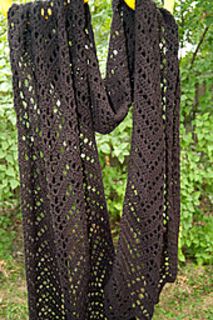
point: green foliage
(194, 19)
(113, 151)
(101, 12)
(196, 130)
(7, 236)
(9, 179)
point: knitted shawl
(73, 270)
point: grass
(190, 297)
(13, 294)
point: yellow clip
(168, 4)
(4, 6)
(130, 3)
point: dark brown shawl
(73, 270)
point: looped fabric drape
(73, 270)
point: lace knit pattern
(73, 270)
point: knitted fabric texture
(73, 270)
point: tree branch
(199, 45)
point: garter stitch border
(73, 270)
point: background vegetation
(196, 236)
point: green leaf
(11, 172)
(105, 148)
(14, 184)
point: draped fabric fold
(73, 270)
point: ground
(189, 298)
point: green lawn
(189, 298)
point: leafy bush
(196, 235)
(196, 227)
(9, 180)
